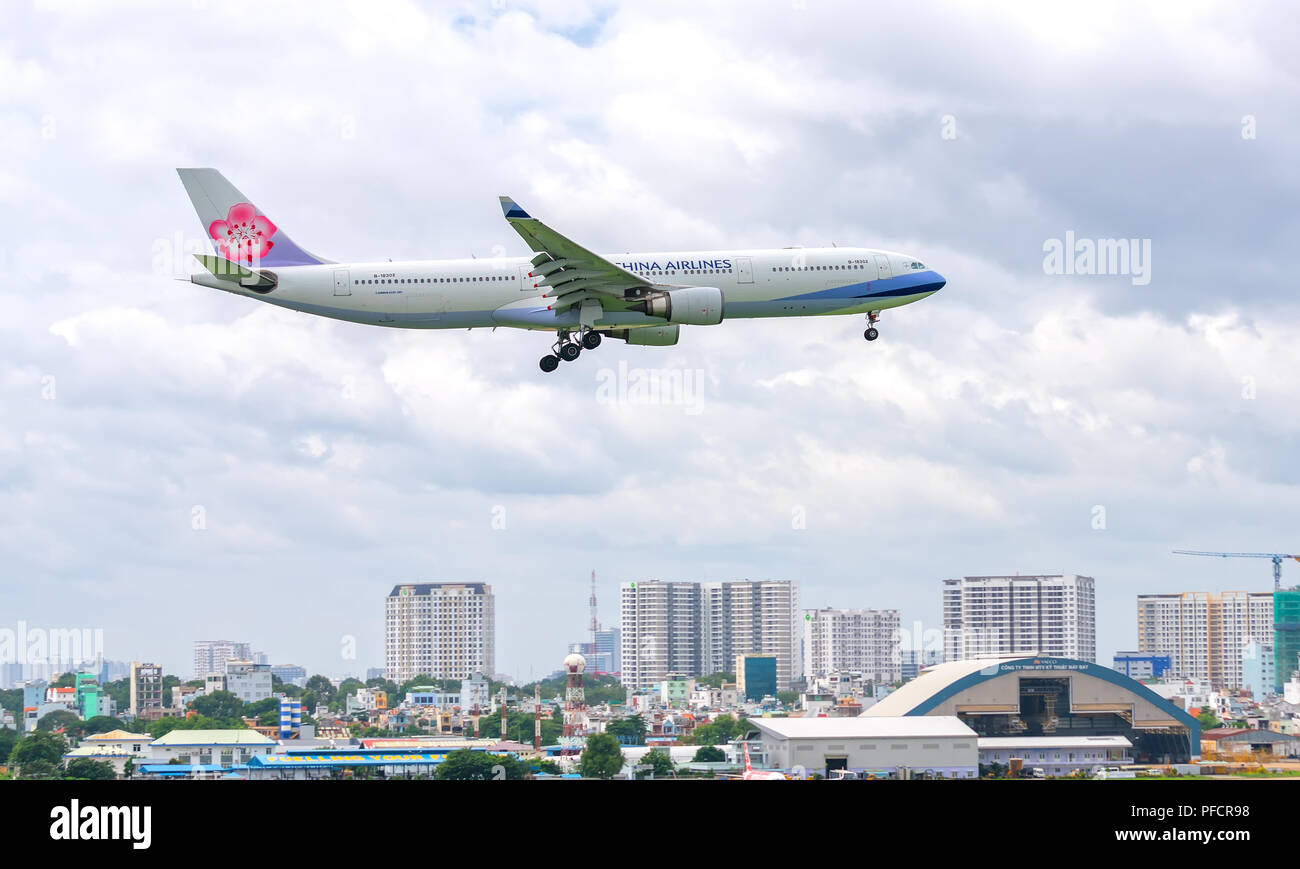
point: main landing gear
(872, 332)
(569, 349)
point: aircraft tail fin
(748, 768)
(238, 228)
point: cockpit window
(916, 265)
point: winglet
(511, 208)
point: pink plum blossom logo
(244, 235)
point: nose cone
(939, 283)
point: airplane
(639, 298)
(752, 774)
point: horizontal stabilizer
(226, 270)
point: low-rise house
(115, 748)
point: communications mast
(575, 706)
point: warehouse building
(900, 747)
(1057, 698)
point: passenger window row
(433, 280)
(854, 267)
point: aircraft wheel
(591, 340)
(871, 334)
(549, 363)
(569, 352)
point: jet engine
(694, 306)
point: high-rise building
(860, 641)
(146, 688)
(1002, 616)
(1204, 633)
(210, 656)
(1259, 670)
(1286, 636)
(608, 641)
(444, 630)
(697, 629)
(597, 662)
(755, 677)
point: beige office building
(1204, 633)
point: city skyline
(930, 638)
(177, 462)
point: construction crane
(1276, 557)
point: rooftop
(862, 727)
(213, 737)
(1054, 742)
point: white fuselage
(469, 293)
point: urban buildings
(1204, 634)
(864, 641)
(913, 661)
(602, 655)
(248, 681)
(146, 689)
(292, 674)
(698, 629)
(210, 656)
(755, 677)
(999, 616)
(1286, 637)
(444, 630)
(1142, 667)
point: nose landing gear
(872, 332)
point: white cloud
(331, 460)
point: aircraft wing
(565, 270)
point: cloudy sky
(981, 434)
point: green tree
(719, 731)
(38, 746)
(11, 700)
(346, 688)
(716, 680)
(469, 765)
(321, 687)
(709, 754)
(163, 726)
(519, 727)
(85, 768)
(60, 719)
(1208, 721)
(787, 698)
(120, 691)
(220, 706)
(40, 769)
(128, 768)
(628, 731)
(602, 758)
(266, 711)
(660, 761)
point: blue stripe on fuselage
(928, 281)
